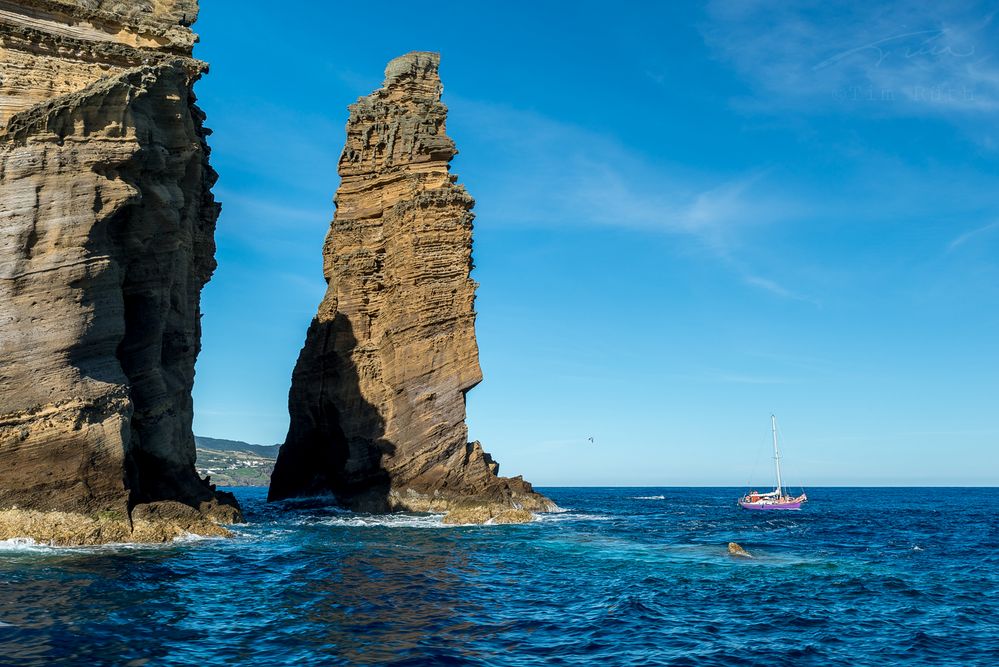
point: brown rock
(378, 395)
(151, 522)
(487, 513)
(105, 243)
(735, 550)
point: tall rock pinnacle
(378, 395)
(106, 240)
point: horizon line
(715, 486)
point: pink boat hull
(771, 506)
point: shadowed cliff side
(325, 384)
(378, 395)
(107, 241)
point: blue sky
(688, 217)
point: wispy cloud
(776, 288)
(543, 172)
(277, 146)
(656, 76)
(209, 412)
(964, 238)
(275, 225)
(727, 377)
(768, 285)
(752, 379)
(890, 59)
(566, 174)
(581, 441)
(275, 211)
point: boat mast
(773, 425)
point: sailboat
(777, 499)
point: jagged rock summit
(106, 239)
(377, 400)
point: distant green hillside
(235, 463)
(222, 445)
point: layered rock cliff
(106, 239)
(377, 400)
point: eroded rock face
(378, 395)
(106, 239)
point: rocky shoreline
(158, 522)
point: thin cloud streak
(969, 235)
(889, 60)
(753, 379)
(777, 289)
(274, 212)
(724, 377)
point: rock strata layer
(377, 400)
(106, 238)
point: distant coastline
(234, 462)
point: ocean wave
(29, 545)
(648, 497)
(22, 544)
(323, 500)
(435, 520)
(402, 521)
(569, 515)
(382, 521)
(190, 537)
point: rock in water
(105, 243)
(378, 394)
(735, 550)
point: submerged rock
(105, 244)
(485, 513)
(377, 400)
(735, 550)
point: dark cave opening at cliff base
(317, 457)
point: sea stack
(377, 400)
(106, 239)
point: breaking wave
(22, 544)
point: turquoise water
(623, 576)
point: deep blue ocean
(624, 576)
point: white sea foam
(22, 544)
(570, 515)
(648, 497)
(433, 520)
(385, 521)
(264, 529)
(191, 537)
(29, 545)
